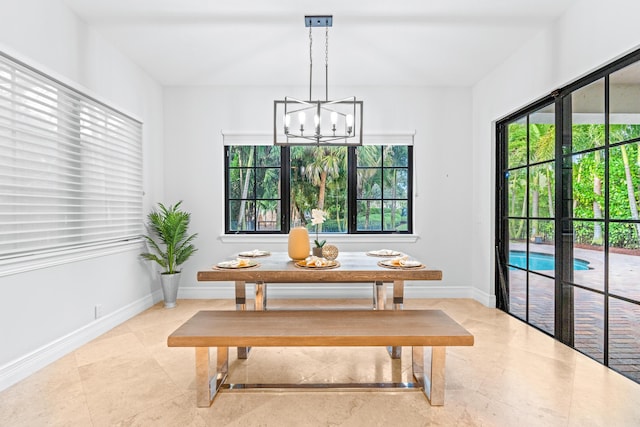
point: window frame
(285, 186)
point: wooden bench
(351, 328)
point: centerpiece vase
(299, 243)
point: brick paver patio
(589, 307)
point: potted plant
(169, 225)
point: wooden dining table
(353, 267)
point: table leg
(379, 296)
(241, 305)
(207, 385)
(433, 384)
(261, 296)
(398, 304)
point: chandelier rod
(310, 61)
(326, 63)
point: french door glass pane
(541, 302)
(517, 233)
(517, 192)
(542, 135)
(542, 247)
(587, 116)
(517, 143)
(518, 293)
(624, 104)
(624, 338)
(588, 185)
(624, 187)
(541, 190)
(589, 323)
(624, 260)
(588, 257)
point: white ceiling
(372, 42)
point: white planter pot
(170, 284)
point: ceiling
(372, 42)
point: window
(70, 167)
(365, 189)
(253, 188)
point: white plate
(254, 253)
(384, 253)
(236, 264)
(409, 263)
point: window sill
(334, 238)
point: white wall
(590, 34)
(48, 311)
(195, 117)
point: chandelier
(337, 122)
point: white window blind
(70, 167)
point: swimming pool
(540, 261)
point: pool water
(540, 261)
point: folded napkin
(404, 261)
(237, 263)
(389, 252)
(253, 253)
(315, 261)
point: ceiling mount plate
(318, 21)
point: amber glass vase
(299, 243)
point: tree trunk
(321, 191)
(597, 212)
(633, 205)
(535, 203)
(550, 196)
(245, 188)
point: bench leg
(241, 305)
(433, 384)
(207, 385)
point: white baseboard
(21, 368)
(484, 298)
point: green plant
(169, 225)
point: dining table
(264, 267)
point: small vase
(298, 243)
(316, 251)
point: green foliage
(169, 225)
(530, 183)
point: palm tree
(321, 163)
(368, 155)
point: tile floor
(513, 376)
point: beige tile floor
(513, 376)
